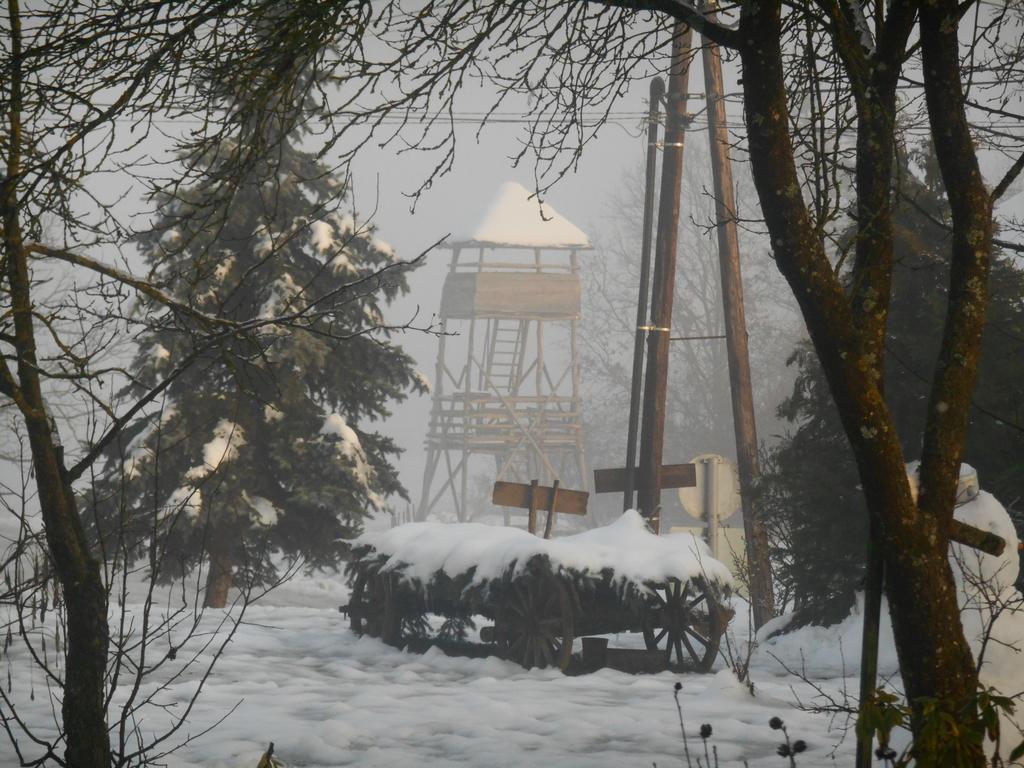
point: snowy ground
(295, 675)
(299, 678)
(328, 698)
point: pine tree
(263, 444)
(811, 484)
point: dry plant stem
(682, 727)
(789, 748)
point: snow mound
(821, 653)
(513, 219)
(990, 604)
(626, 547)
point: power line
(624, 119)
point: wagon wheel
(683, 620)
(357, 606)
(373, 608)
(366, 606)
(535, 625)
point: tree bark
(82, 708)
(874, 86)
(935, 658)
(219, 577)
(956, 372)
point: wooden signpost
(671, 476)
(533, 497)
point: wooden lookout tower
(506, 400)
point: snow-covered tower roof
(514, 220)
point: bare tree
(848, 328)
(77, 78)
(388, 73)
(160, 638)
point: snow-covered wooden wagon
(540, 594)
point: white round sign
(718, 483)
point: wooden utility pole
(761, 593)
(656, 382)
(657, 93)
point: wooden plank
(504, 294)
(672, 476)
(457, 295)
(969, 536)
(532, 505)
(518, 495)
(551, 513)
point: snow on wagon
(540, 594)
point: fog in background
(604, 198)
(602, 195)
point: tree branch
(1008, 179)
(128, 279)
(727, 37)
(971, 212)
(998, 242)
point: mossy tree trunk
(848, 329)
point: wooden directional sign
(672, 476)
(539, 497)
(518, 495)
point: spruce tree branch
(300, 320)
(394, 266)
(905, 364)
